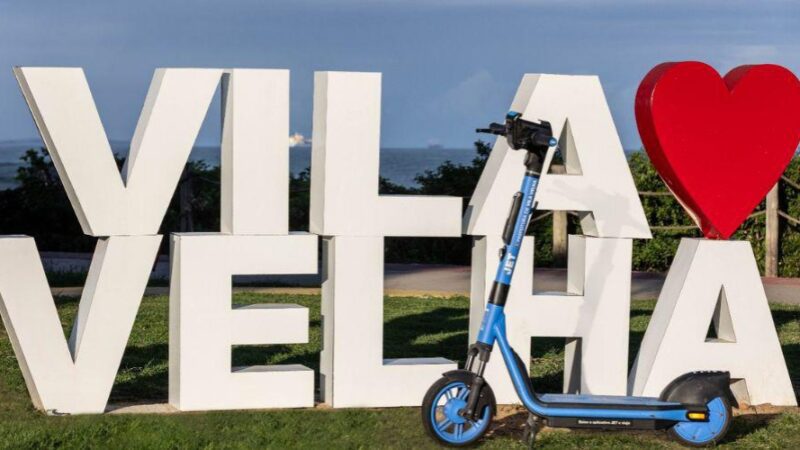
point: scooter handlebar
(544, 140)
(494, 128)
(523, 134)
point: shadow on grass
(747, 424)
(144, 374)
(513, 425)
(791, 352)
(439, 332)
(256, 355)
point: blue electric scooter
(457, 409)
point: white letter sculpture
(347, 210)
(255, 154)
(719, 280)
(598, 182)
(594, 312)
(76, 376)
(105, 203)
(204, 323)
(255, 240)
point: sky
(448, 66)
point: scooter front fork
(477, 358)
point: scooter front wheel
(701, 434)
(440, 414)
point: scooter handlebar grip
(544, 140)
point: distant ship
(298, 139)
(434, 144)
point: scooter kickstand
(532, 427)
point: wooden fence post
(772, 242)
(185, 202)
(559, 229)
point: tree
(39, 207)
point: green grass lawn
(414, 327)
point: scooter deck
(606, 402)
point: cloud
(753, 52)
(736, 55)
(468, 96)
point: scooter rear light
(698, 416)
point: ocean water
(399, 165)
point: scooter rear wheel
(702, 434)
(440, 409)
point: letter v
(74, 377)
(105, 203)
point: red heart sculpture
(719, 144)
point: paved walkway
(414, 279)
(644, 285)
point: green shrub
(39, 207)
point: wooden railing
(772, 236)
(774, 215)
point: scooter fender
(699, 388)
(466, 377)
